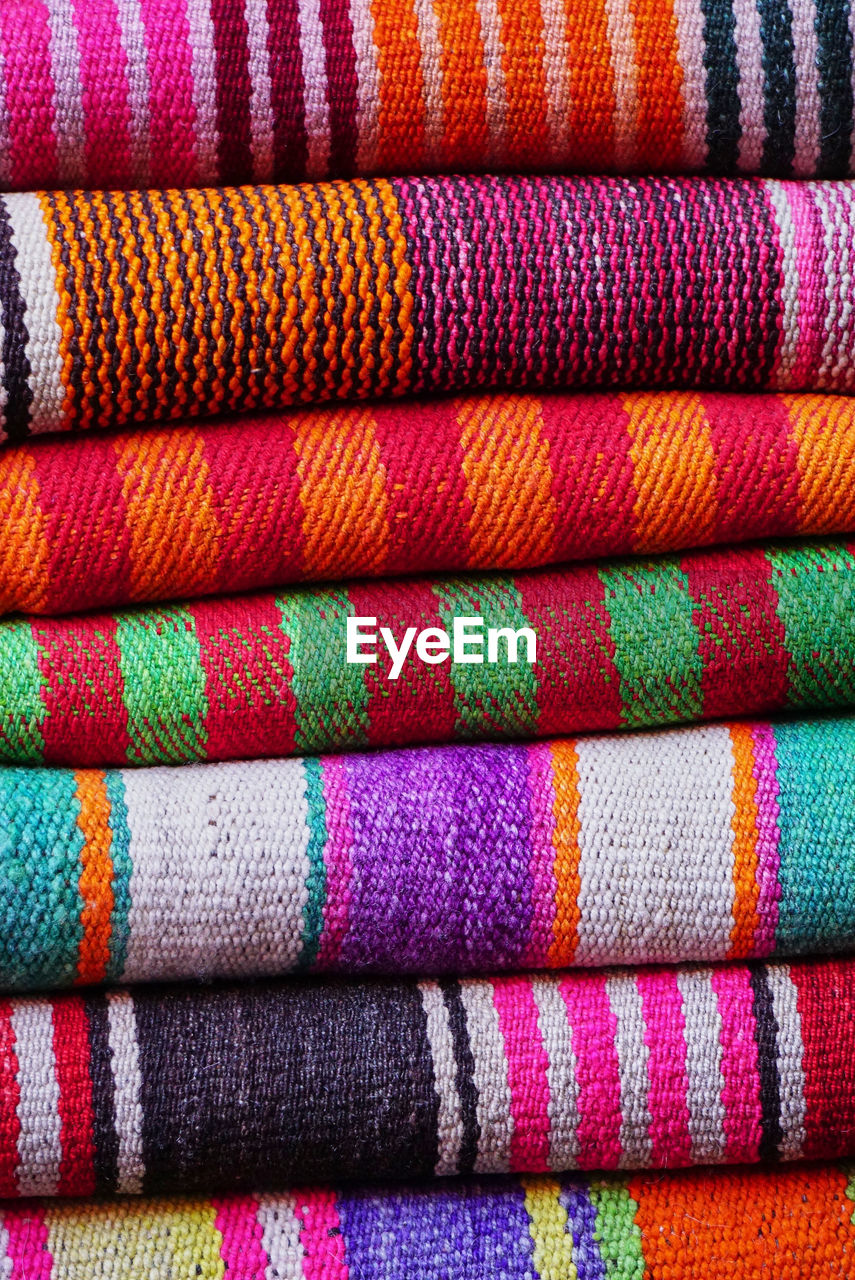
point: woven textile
(499, 481)
(140, 306)
(624, 644)
(707, 843)
(198, 91)
(793, 1224)
(231, 1088)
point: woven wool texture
(793, 1224)
(483, 482)
(201, 91)
(630, 643)
(130, 307)
(195, 1089)
(709, 843)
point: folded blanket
(195, 1089)
(183, 92)
(709, 843)
(494, 481)
(624, 643)
(697, 1225)
(138, 306)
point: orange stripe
(357, 328)
(565, 840)
(24, 548)
(69, 280)
(401, 276)
(824, 430)
(466, 138)
(96, 875)
(343, 493)
(659, 119)
(592, 86)
(402, 108)
(508, 482)
(524, 55)
(674, 469)
(744, 824)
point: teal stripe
(120, 853)
(815, 584)
(316, 882)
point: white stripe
(69, 121)
(431, 66)
(38, 290)
(835, 357)
(703, 1065)
(791, 1076)
(39, 1145)
(497, 94)
(749, 61)
(220, 869)
(621, 32)
(656, 846)
(368, 86)
(280, 1237)
(788, 343)
(450, 1118)
(314, 56)
(490, 1075)
(691, 46)
(808, 137)
(127, 1084)
(632, 1055)
(204, 64)
(260, 107)
(6, 1263)
(556, 1033)
(139, 87)
(556, 68)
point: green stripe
(617, 1232)
(163, 685)
(815, 584)
(490, 698)
(20, 687)
(316, 880)
(331, 693)
(120, 854)
(657, 652)
(848, 1171)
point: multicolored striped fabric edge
(619, 644)
(502, 481)
(132, 307)
(194, 1089)
(709, 843)
(188, 92)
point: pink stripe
(594, 1029)
(241, 1250)
(739, 1068)
(171, 102)
(25, 36)
(528, 1065)
(337, 859)
(810, 261)
(668, 1087)
(27, 1247)
(103, 76)
(320, 1236)
(543, 887)
(768, 838)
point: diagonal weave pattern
(132, 307)
(189, 1089)
(709, 843)
(482, 482)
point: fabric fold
(132, 307)
(504, 481)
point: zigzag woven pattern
(630, 643)
(793, 1224)
(130, 307)
(485, 482)
(709, 843)
(200, 91)
(195, 1089)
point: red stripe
(85, 718)
(757, 467)
(71, 1052)
(234, 87)
(10, 1096)
(342, 86)
(826, 1000)
(287, 90)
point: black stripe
(766, 1036)
(834, 60)
(103, 1096)
(16, 379)
(722, 86)
(779, 90)
(465, 1074)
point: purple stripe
(582, 1222)
(768, 837)
(342, 85)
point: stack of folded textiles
(322, 969)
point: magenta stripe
(337, 859)
(287, 90)
(171, 100)
(810, 263)
(27, 1248)
(25, 36)
(668, 1088)
(528, 1064)
(321, 1236)
(594, 1031)
(342, 85)
(739, 1067)
(768, 838)
(541, 792)
(242, 1250)
(104, 84)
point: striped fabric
(494, 481)
(129, 307)
(709, 843)
(134, 92)
(206, 1089)
(792, 1222)
(630, 644)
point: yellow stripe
(553, 1243)
(156, 1238)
